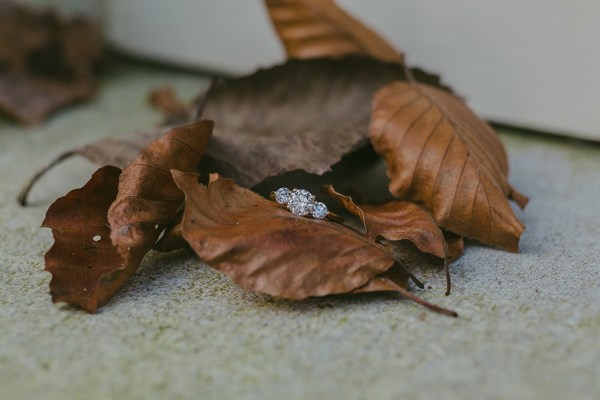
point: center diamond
(301, 202)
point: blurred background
(529, 64)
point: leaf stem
(22, 199)
(425, 303)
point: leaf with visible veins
(319, 28)
(442, 156)
(302, 115)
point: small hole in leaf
(97, 238)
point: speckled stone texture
(529, 323)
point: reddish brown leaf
(46, 62)
(265, 248)
(397, 220)
(440, 155)
(319, 28)
(148, 199)
(268, 249)
(86, 268)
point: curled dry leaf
(441, 155)
(86, 268)
(265, 248)
(400, 220)
(319, 28)
(46, 62)
(397, 220)
(148, 200)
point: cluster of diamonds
(301, 202)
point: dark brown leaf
(440, 155)
(397, 220)
(303, 115)
(45, 62)
(265, 248)
(86, 268)
(148, 200)
(319, 28)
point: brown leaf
(440, 155)
(86, 268)
(397, 220)
(148, 200)
(319, 28)
(303, 115)
(46, 62)
(265, 248)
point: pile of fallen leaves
(344, 93)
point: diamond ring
(300, 202)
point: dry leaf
(86, 268)
(319, 28)
(265, 248)
(397, 220)
(45, 62)
(303, 115)
(440, 155)
(148, 199)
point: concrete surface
(529, 325)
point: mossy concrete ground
(529, 323)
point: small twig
(427, 304)
(22, 199)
